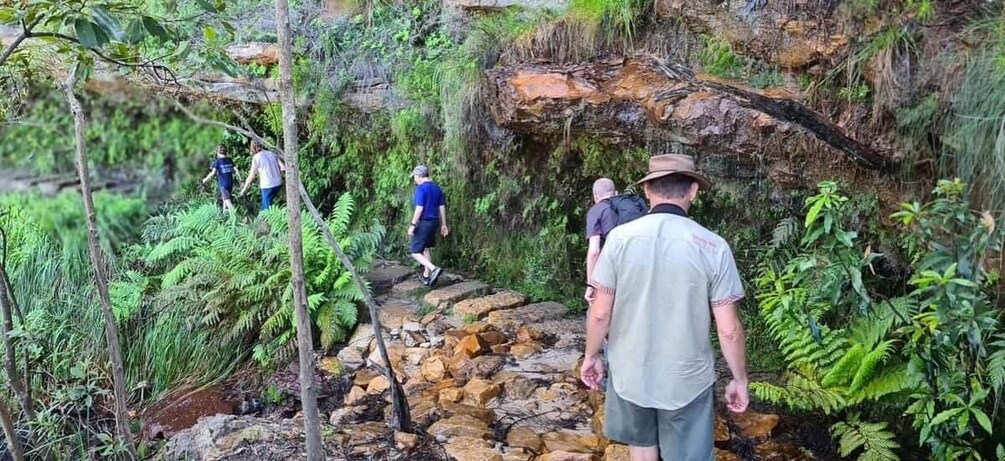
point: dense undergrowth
(150, 145)
(195, 294)
(859, 338)
(865, 347)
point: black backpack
(626, 208)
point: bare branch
(159, 72)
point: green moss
(718, 59)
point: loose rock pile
(488, 378)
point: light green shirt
(666, 272)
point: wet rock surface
(468, 401)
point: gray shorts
(684, 434)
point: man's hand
(444, 230)
(590, 295)
(411, 230)
(592, 372)
(736, 396)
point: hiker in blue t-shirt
(225, 170)
(430, 215)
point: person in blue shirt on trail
(430, 215)
(225, 170)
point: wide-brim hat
(665, 165)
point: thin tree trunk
(98, 263)
(399, 403)
(10, 364)
(13, 444)
(305, 337)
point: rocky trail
(488, 376)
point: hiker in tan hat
(659, 281)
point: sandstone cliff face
(644, 101)
(795, 35)
(625, 99)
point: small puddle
(182, 411)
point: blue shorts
(424, 235)
(269, 195)
(226, 192)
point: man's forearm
(596, 331)
(591, 262)
(598, 323)
(734, 350)
(443, 215)
(416, 215)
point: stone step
(395, 313)
(525, 315)
(444, 298)
(411, 286)
(387, 273)
(480, 307)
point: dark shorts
(269, 195)
(227, 192)
(685, 434)
(424, 235)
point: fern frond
(996, 364)
(892, 380)
(869, 363)
(876, 443)
(800, 394)
(844, 370)
(785, 232)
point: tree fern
(876, 443)
(242, 273)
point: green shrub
(935, 351)
(237, 277)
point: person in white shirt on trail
(269, 168)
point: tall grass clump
(975, 137)
(617, 18)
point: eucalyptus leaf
(134, 33)
(154, 28)
(82, 72)
(89, 34)
(107, 22)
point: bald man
(599, 221)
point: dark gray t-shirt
(599, 220)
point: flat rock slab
(385, 275)
(548, 361)
(409, 287)
(526, 315)
(395, 313)
(563, 333)
(479, 307)
(412, 286)
(457, 292)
